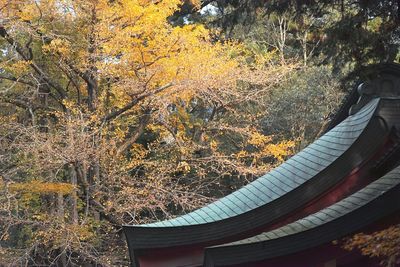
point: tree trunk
(60, 215)
(91, 74)
(74, 197)
(305, 56)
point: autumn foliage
(383, 245)
(112, 115)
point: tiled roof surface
(286, 177)
(358, 212)
(335, 211)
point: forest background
(120, 112)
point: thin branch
(14, 79)
(134, 102)
(17, 103)
(144, 120)
(42, 74)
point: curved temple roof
(302, 178)
(265, 214)
(279, 181)
(338, 220)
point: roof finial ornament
(384, 82)
(366, 92)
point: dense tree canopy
(131, 111)
(112, 115)
(346, 34)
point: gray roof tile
(295, 171)
(332, 212)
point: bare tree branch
(134, 102)
(19, 80)
(144, 120)
(43, 76)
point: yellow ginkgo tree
(111, 114)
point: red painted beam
(317, 257)
(190, 256)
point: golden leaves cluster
(165, 153)
(39, 187)
(383, 244)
